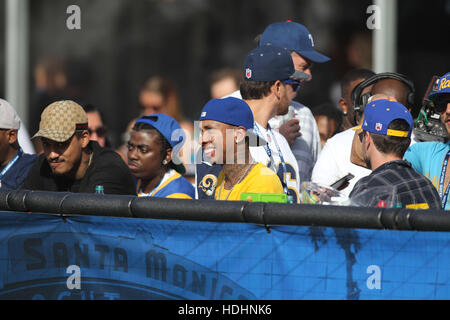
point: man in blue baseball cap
(227, 133)
(431, 158)
(268, 75)
(385, 135)
(441, 99)
(298, 126)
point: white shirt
(24, 140)
(307, 147)
(334, 162)
(274, 138)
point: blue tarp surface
(126, 258)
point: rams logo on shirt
(208, 184)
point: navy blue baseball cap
(235, 112)
(171, 131)
(380, 113)
(294, 37)
(443, 86)
(271, 63)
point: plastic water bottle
(290, 198)
(99, 189)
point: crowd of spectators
(252, 137)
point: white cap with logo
(9, 119)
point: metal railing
(69, 204)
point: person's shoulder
(299, 106)
(280, 138)
(106, 156)
(344, 138)
(261, 171)
(37, 159)
(180, 187)
(184, 182)
(427, 147)
(29, 158)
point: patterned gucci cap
(61, 119)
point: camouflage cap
(61, 119)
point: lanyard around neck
(269, 152)
(11, 163)
(444, 196)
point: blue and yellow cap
(443, 86)
(379, 114)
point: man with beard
(385, 135)
(70, 161)
(431, 158)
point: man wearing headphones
(334, 160)
(431, 158)
(394, 85)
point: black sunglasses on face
(441, 106)
(293, 83)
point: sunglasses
(100, 131)
(441, 106)
(293, 83)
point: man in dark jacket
(71, 162)
(14, 163)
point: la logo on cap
(203, 114)
(248, 73)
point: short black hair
(390, 144)
(255, 90)
(330, 111)
(353, 75)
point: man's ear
(343, 105)
(368, 138)
(12, 136)
(239, 135)
(168, 156)
(84, 138)
(276, 89)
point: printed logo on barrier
(86, 266)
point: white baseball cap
(9, 119)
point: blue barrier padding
(130, 258)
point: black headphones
(359, 102)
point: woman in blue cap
(153, 158)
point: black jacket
(106, 169)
